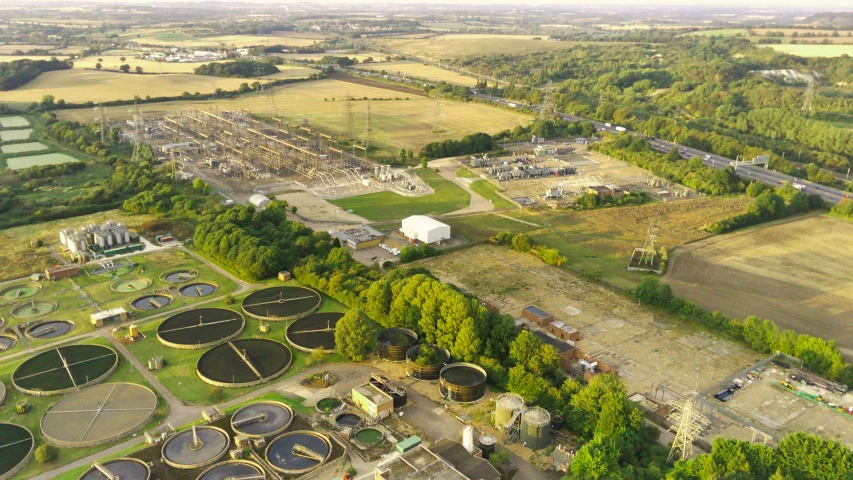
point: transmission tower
(649, 252)
(348, 118)
(438, 119)
(102, 119)
(808, 109)
(139, 127)
(368, 131)
(547, 110)
(687, 425)
(271, 108)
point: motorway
(770, 177)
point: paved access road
(771, 177)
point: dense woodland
(20, 72)
(237, 69)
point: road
(771, 177)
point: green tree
(138, 69)
(596, 460)
(124, 68)
(521, 243)
(46, 453)
(403, 155)
(317, 355)
(424, 162)
(98, 66)
(353, 334)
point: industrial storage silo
(505, 408)
(535, 432)
(487, 445)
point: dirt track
(794, 273)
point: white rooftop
(108, 313)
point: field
(12, 135)
(303, 57)
(18, 163)
(23, 147)
(419, 70)
(124, 373)
(78, 86)
(385, 206)
(722, 32)
(13, 122)
(12, 58)
(815, 50)
(471, 45)
(113, 62)
(795, 273)
(9, 49)
(171, 38)
(599, 243)
(489, 191)
(179, 373)
(397, 122)
(648, 348)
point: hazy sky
(814, 5)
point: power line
(368, 131)
(138, 124)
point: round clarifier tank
(19, 292)
(426, 367)
(505, 408)
(369, 436)
(52, 329)
(7, 342)
(195, 448)
(198, 289)
(298, 452)
(121, 468)
(535, 431)
(262, 419)
(33, 309)
(326, 405)
(151, 302)
(348, 420)
(462, 382)
(180, 276)
(393, 343)
(232, 469)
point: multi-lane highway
(771, 177)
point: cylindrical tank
(535, 432)
(462, 382)
(425, 372)
(133, 331)
(487, 445)
(556, 421)
(468, 438)
(505, 408)
(393, 343)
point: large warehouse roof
(422, 221)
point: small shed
(537, 316)
(284, 275)
(259, 201)
(407, 444)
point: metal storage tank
(487, 445)
(393, 343)
(556, 421)
(535, 432)
(506, 407)
(462, 382)
(424, 372)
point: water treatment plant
(462, 382)
(314, 331)
(50, 329)
(64, 369)
(16, 447)
(196, 447)
(233, 469)
(20, 292)
(121, 468)
(281, 303)
(425, 362)
(153, 301)
(393, 343)
(243, 363)
(198, 290)
(298, 452)
(200, 328)
(262, 419)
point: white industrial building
(260, 201)
(423, 229)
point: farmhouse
(423, 229)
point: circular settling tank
(316, 330)
(262, 419)
(298, 452)
(98, 414)
(348, 420)
(425, 362)
(281, 303)
(505, 409)
(64, 369)
(179, 276)
(16, 446)
(19, 292)
(51, 329)
(535, 431)
(198, 289)
(243, 363)
(393, 343)
(151, 302)
(131, 285)
(7, 342)
(33, 309)
(2, 393)
(195, 448)
(326, 405)
(121, 468)
(399, 394)
(369, 436)
(233, 469)
(462, 382)
(200, 328)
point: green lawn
(179, 375)
(489, 191)
(386, 206)
(124, 373)
(475, 228)
(465, 173)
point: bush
(46, 453)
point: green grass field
(179, 373)
(418, 70)
(124, 373)
(814, 50)
(386, 206)
(466, 173)
(478, 228)
(489, 191)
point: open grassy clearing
(795, 273)
(489, 191)
(396, 123)
(9, 49)
(78, 86)
(179, 373)
(598, 243)
(385, 206)
(471, 45)
(418, 70)
(178, 39)
(124, 373)
(815, 50)
(113, 62)
(478, 228)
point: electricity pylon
(368, 130)
(687, 425)
(438, 119)
(138, 126)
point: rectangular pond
(10, 135)
(36, 160)
(13, 122)
(23, 147)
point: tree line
(768, 205)
(472, 143)
(20, 72)
(237, 69)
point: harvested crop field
(419, 70)
(796, 273)
(472, 45)
(815, 50)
